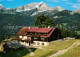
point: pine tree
(43, 21)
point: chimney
(29, 27)
(48, 26)
(37, 27)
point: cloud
(64, 0)
(52, 0)
(76, 5)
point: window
(43, 44)
(24, 37)
(34, 43)
(42, 38)
(29, 38)
(38, 43)
(30, 33)
(35, 33)
(45, 34)
(35, 38)
(20, 36)
(22, 41)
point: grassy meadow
(73, 52)
(52, 48)
(46, 51)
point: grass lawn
(52, 48)
(73, 52)
(45, 52)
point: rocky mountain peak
(40, 6)
(43, 7)
(30, 6)
(41, 2)
(1, 6)
(77, 11)
(58, 8)
(20, 8)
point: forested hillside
(11, 21)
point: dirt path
(38, 47)
(60, 52)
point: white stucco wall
(40, 43)
(23, 37)
(24, 43)
(35, 43)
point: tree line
(45, 21)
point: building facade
(37, 36)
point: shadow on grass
(16, 53)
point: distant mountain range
(39, 6)
(12, 20)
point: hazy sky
(65, 4)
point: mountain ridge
(41, 7)
(11, 21)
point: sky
(65, 4)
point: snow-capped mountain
(58, 8)
(27, 7)
(31, 6)
(25, 16)
(19, 9)
(40, 6)
(78, 11)
(43, 7)
(1, 6)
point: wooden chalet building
(37, 36)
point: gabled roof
(23, 31)
(40, 30)
(48, 35)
